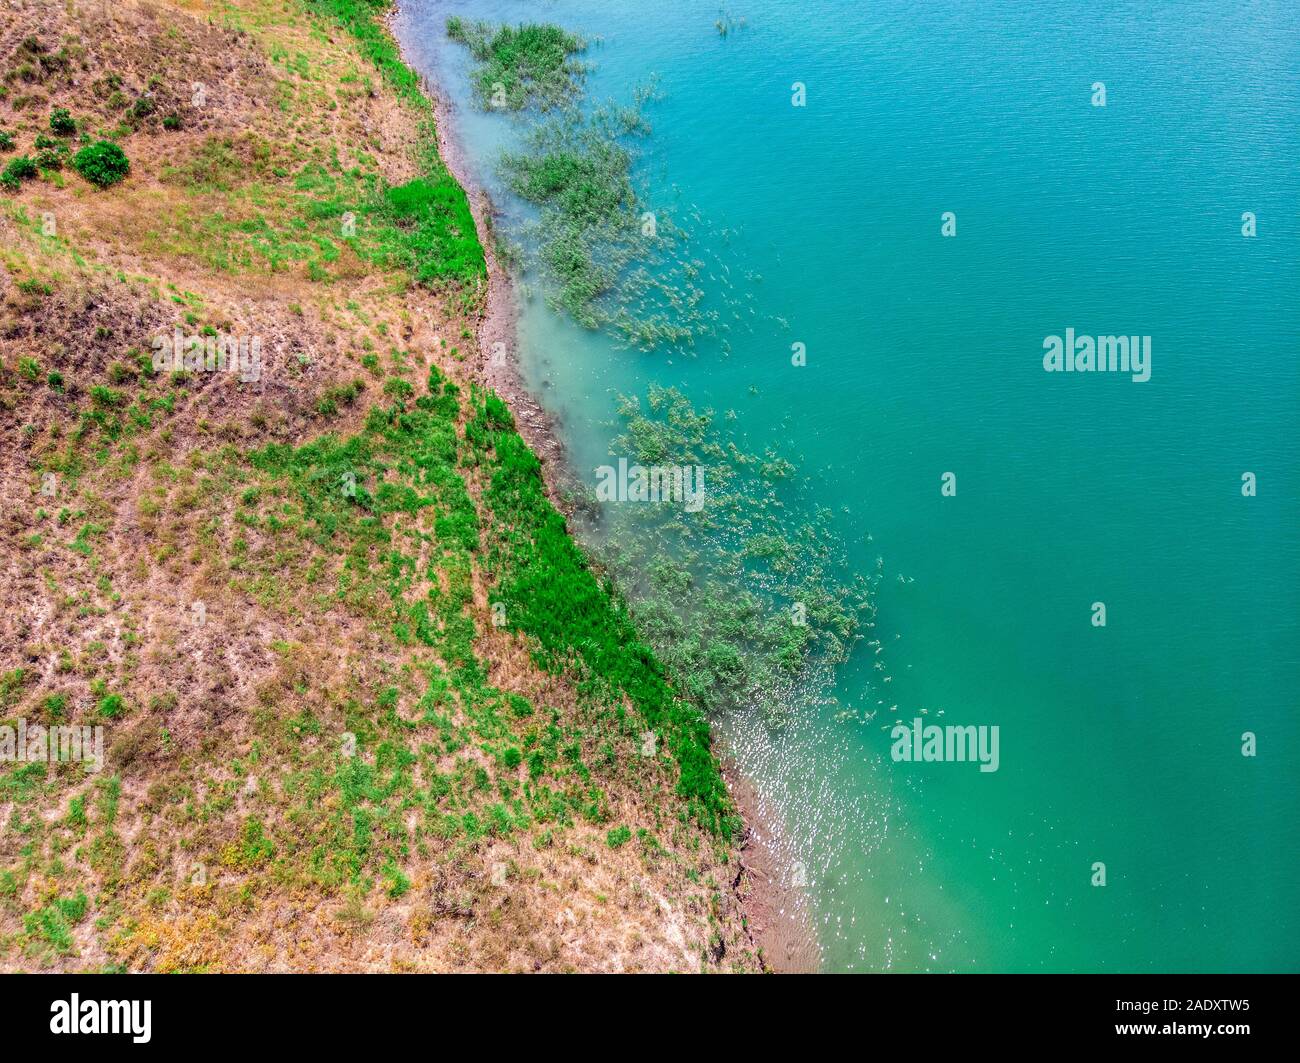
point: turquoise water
(1119, 744)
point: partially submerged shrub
(521, 65)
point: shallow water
(1119, 744)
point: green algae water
(992, 503)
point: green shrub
(6, 141)
(112, 706)
(62, 123)
(18, 171)
(102, 163)
(398, 884)
(579, 621)
(397, 388)
(172, 122)
(103, 396)
(107, 85)
(618, 836)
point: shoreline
(500, 316)
(777, 917)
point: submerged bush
(521, 65)
(716, 593)
(601, 256)
(603, 259)
(102, 163)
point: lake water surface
(1119, 744)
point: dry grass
(234, 721)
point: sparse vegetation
(277, 600)
(603, 258)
